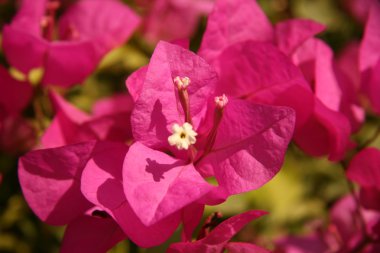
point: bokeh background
(297, 199)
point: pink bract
(369, 57)
(364, 170)
(87, 30)
(218, 239)
(259, 143)
(109, 121)
(260, 73)
(172, 19)
(50, 181)
(343, 234)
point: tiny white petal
(183, 136)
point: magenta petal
(240, 247)
(110, 121)
(28, 18)
(106, 24)
(102, 185)
(373, 88)
(145, 236)
(370, 46)
(22, 50)
(15, 95)
(65, 127)
(246, 159)
(114, 127)
(370, 198)
(218, 238)
(234, 21)
(157, 185)
(119, 103)
(348, 62)
(67, 109)
(111, 118)
(364, 168)
(326, 86)
(158, 106)
(54, 135)
(69, 63)
(191, 217)
(135, 82)
(344, 216)
(50, 182)
(315, 59)
(185, 43)
(348, 75)
(105, 165)
(326, 133)
(174, 19)
(290, 34)
(261, 73)
(91, 234)
(22, 42)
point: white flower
(183, 136)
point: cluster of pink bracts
(137, 167)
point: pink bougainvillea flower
(110, 120)
(369, 57)
(173, 19)
(16, 133)
(364, 170)
(348, 74)
(348, 62)
(86, 31)
(102, 184)
(259, 72)
(345, 233)
(183, 131)
(218, 239)
(347, 225)
(50, 181)
(81, 185)
(328, 123)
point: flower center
(183, 136)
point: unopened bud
(181, 82)
(221, 101)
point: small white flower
(183, 136)
(181, 82)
